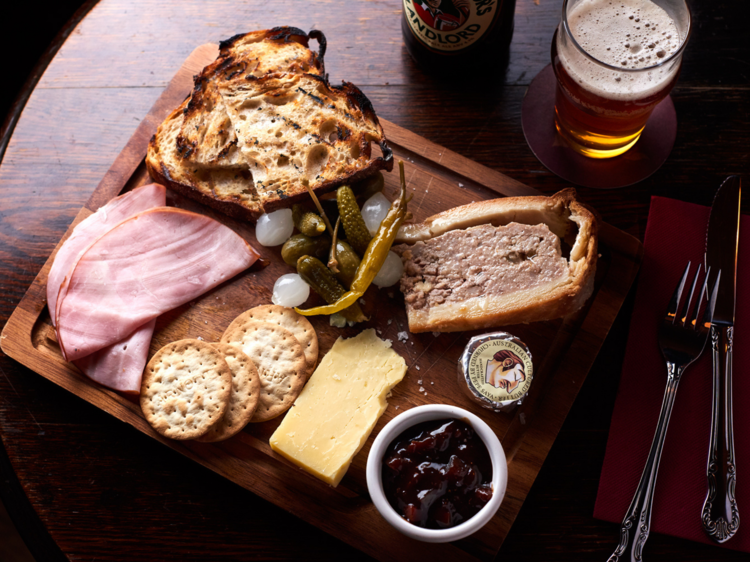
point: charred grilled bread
(498, 262)
(262, 125)
(207, 136)
(296, 130)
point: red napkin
(676, 233)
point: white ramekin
(422, 414)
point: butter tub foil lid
(496, 371)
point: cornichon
(348, 262)
(351, 218)
(307, 222)
(322, 281)
(374, 257)
(301, 245)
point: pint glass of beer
(615, 60)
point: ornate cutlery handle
(636, 525)
(720, 516)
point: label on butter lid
(497, 370)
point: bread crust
(207, 136)
(159, 172)
(570, 220)
(164, 168)
(197, 152)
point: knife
(720, 516)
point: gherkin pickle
(348, 262)
(374, 257)
(354, 225)
(301, 245)
(307, 222)
(323, 282)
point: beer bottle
(456, 37)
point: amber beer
(458, 37)
(614, 60)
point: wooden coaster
(638, 163)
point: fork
(681, 339)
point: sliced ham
(146, 265)
(120, 366)
(93, 226)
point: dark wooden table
(81, 485)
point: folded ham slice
(146, 265)
(93, 226)
(121, 365)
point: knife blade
(722, 241)
(720, 515)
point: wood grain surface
(439, 179)
(86, 486)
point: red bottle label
(450, 26)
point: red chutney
(437, 474)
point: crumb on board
(403, 336)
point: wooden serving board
(563, 350)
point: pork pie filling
(480, 261)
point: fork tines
(691, 318)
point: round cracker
(280, 361)
(185, 389)
(243, 399)
(288, 319)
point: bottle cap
(496, 370)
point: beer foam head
(628, 34)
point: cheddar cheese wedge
(339, 407)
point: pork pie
(498, 262)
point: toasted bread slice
(206, 136)
(320, 135)
(296, 130)
(227, 190)
(499, 262)
(290, 50)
